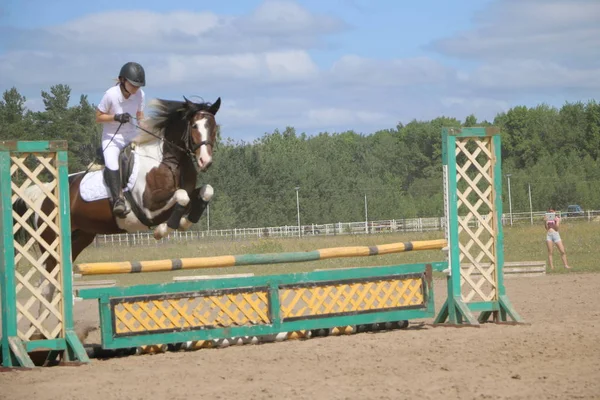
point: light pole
(366, 216)
(530, 206)
(298, 209)
(509, 199)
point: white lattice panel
(476, 196)
(35, 314)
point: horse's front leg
(180, 200)
(200, 199)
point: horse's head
(203, 128)
(187, 128)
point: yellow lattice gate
(248, 307)
(473, 201)
(36, 258)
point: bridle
(190, 147)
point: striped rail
(127, 267)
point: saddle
(126, 161)
(126, 168)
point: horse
(159, 174)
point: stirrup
(120, 208)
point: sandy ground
(555, 356)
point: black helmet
(134, 73)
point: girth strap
(138, 211)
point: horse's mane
(165, 113)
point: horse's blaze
(202, 133)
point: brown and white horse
(159, 176)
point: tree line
(554, 152)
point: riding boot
(113, 181)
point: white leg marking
(206, 193)
(161, 231)
(181, 197)
(184, 224)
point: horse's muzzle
(204, 165)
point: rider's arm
(139, 115)
(103, 111)
(102, 117)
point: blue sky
(328, 65)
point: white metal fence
(340, 228)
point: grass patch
(521, 243)
(525, 243)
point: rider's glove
(123, 118)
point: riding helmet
(134, 73)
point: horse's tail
(34, 194)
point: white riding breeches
(111, 151)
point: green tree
(470, 121)
(555, 151)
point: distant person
(117, 107)
(552, 224)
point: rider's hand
(123, 118)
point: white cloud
(40, 68)
(148, 26)
(261, 60)
(183, 50)
(273, 26)
(559, 30)
(332, 116)
(275, 17)
(297, 65)
(533, 74)
(475, 105)
(529, 46)
(203, 69)
(262, 64)
(353, 69)
(269, 45)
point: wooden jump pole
(128, 267)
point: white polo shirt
(113, 102)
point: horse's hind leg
(79, 241)
(46, 287)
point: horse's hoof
(185, 224)
(207, 192)
(160, 231)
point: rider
(115, 110)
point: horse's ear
(214, 108)
(187, 102)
